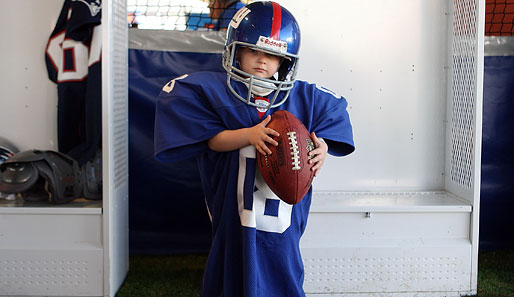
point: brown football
(287, 171)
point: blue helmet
(267, 27)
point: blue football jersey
(73, 60)
(255, 245)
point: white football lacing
(295, 154)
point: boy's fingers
(266, 120)
(272, 132)
(272, 141)
(260, 150)
(316, 140)
(316, 161)
(316, 172)
(316, 169)
(316, 151)
(266, 150)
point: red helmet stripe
(277, 21)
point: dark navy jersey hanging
(73, 59)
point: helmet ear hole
(284, 69)
(17, 177)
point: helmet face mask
(269, 28)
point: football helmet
(42, 175)
(7, 149)
(270, 28)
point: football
(287, 171)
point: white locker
(399, 216)
(79, 248)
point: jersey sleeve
(332, 122)
(184, 121)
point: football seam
(294, 152)
(295, 172)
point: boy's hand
(320, 153)
(259, 135)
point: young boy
(220, 119)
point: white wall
(28, 109)
(388, 59)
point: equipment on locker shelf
(48, 175)
(7, 149)
(93, 177)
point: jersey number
(72, 58)
(168, 87)
(258, 206)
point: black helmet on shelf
(35, 172)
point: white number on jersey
(258, 206)
(72, 58)
(171, 84)
(238, 17)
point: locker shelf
(372, 201)
(78, 206)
